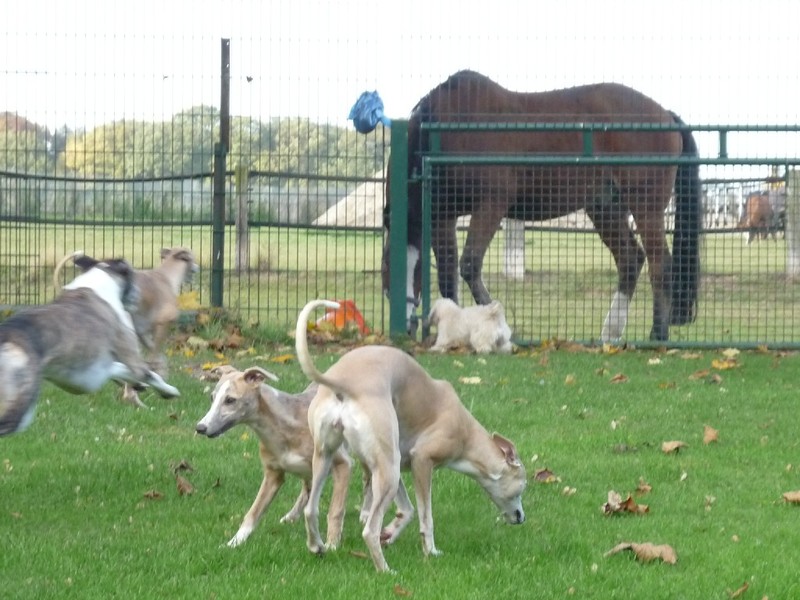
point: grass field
(89, 506)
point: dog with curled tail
(81, 340)
(393, 415)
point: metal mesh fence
(110, 121)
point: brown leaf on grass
(183, 465)
(619, 378)
(667, 385)
(358, 554)
(673, 446)
(545, 476)
(739, 592)
(710, 435)
(401, 591)
(647, 552)
(691, 355)
(616, 505)
(724, 364)
(643, 487)
(792, 497)
(701, 374)
(184, 487)
(153, 495)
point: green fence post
(398, 232)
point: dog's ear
(258, 375)
(165, 252)
(508, 449)
(120, 266)
(85, 263)
(219, 372)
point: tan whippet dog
(393, 415)
(280, 421)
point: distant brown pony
(609, 194)
(759, 217)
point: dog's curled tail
(60, 265)
(301, 340)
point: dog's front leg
(272, 482)
(299, 505)
(422, 472)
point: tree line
(295, 148)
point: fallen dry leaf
(616, 504)
(470, 380)
(546, 476)
(731, 352)
(153, 495)
(358, 554)
(724, 364)
(184, 487)
(643, 487)
(619, 378)
(710, 435)
(691, 355)
(189, 300)
(282, 359)
(647, 552)
(701, 374)
(570, 379)
(792, 497)
(401, 591)
(183, 465)
(609, 349)
(739, 592)
(674, 446)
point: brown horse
(760, 218)
(609, 194)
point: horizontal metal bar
(600, 127)
(515, 160)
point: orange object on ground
(346, 313)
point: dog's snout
(519, 517)
(201, 428)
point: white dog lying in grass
(482, 328)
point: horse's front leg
(445, 249)
(482, 228)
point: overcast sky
(86, 62)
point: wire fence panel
(109, 127)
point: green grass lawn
(89, 506)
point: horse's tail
(686, 240)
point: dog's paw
(290, 517)
(236, 540)
(169, 392)
(318, 549)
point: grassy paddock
(77, 522)
(565, 292)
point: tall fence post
(220, 155)
(398, 222)
(792, 225)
